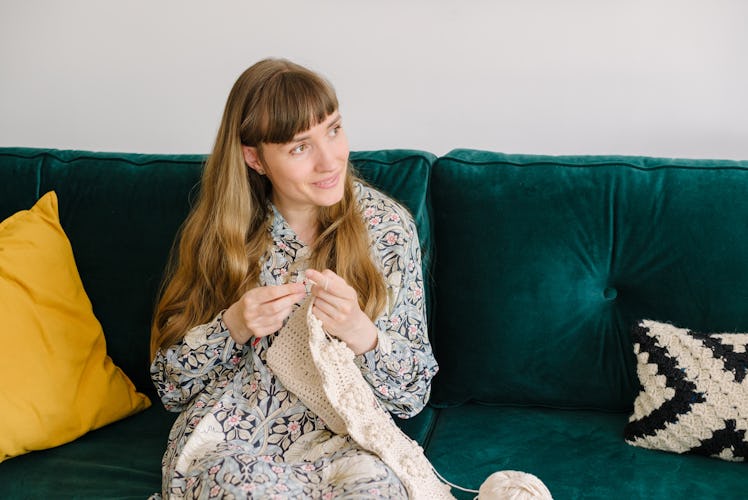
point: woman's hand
(336, 306)
(262, 310)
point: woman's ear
(252, 159)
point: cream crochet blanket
(320, 370)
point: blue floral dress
(241, 434)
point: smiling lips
(327, 183)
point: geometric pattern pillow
(694, 392)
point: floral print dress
(241, 434)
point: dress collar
(284, 237)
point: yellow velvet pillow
(56, 380)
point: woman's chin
(329, 197)
(328, 201)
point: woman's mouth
(327, 183)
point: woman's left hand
(336, 306)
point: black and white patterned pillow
(694, 396)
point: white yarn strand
(453, 485)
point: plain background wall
(651, 77)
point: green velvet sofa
(537, 269)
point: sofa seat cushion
(577, 454)
(121, 460)
(419, 427)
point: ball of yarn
(513, 485)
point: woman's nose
(325, 160)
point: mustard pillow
(56, 380)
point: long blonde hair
(222, 242)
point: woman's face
(309, 171)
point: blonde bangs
(292, 101)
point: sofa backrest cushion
(543, 265)
(121, 213)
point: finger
(326, 280)
(313, 274)
(283, 303)
(313, 277)
(267, 328)
(333, 308)
(266, 318)
(274, 292)
(322, 279)
(341, 297)
(270, 323)
(327, 322)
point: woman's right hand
(262, 310)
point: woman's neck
(303, 222)
(306, 235)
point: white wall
(651, 77)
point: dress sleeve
(402, 365)
(195, 364)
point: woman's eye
(335, 130)
(299, 149)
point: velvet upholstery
(544, 264)
(536, 268)
(577, 453)
(121, 460)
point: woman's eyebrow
(332, 121)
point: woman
(280, 209)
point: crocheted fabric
(320, 370)
(290, 358)
(694, 396)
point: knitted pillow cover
(694, 396)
